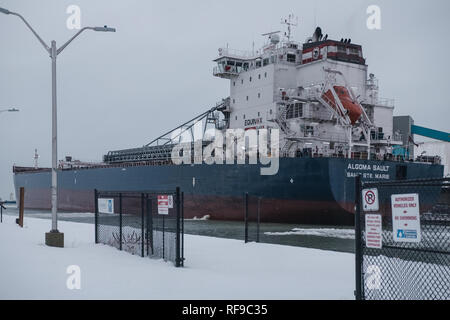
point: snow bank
(215, 268)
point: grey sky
(121, 90)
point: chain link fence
(142, 223)
(403, 246)
(258, 213)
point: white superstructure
(318, 93)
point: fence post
(150, 217)
(21, 206)
(258, 219)
(177, 249)
(147, 223)
(142, 224)
(163, 232)
(246, 218)
(96, 214)
(182, 228)
(120, 221)
(358, 239)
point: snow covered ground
(215, 268)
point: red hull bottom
(216, 207)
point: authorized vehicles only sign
(406, 217)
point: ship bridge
(232, 62)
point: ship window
(234, 101)
(273, 59)
(234, 83)
(265, 61)
(270, 111)
(309, 131)
(290, 57)
(294, 111)
(243, 116)
(259, 95)
(259, 76)
(258, 64)
(265, 74)
(242, 81)
(258, 114)
(341, 49)
(247, 98)
(250, 79)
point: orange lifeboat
(354, 110)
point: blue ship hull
(305, 190)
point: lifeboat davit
(354, 110)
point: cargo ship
(300, 122)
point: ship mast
(289, 22)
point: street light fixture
(10, 109)
(54, 237)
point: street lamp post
(54, 237)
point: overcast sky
(121, 90)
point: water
(334, 238)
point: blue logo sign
(110, 205)
(406, 234)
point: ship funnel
(317, 36)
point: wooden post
(21, 205)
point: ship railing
(381, 136)
(429, 159)
(384, 102)
(237, 54)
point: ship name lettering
(382, 176)
(358, 166)
(380, 168)
(251, 122)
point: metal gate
(142, 223)
(402, 239)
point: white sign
(374, 238)
(163, 204)
(106, 205)
(405, 217)
(170, 202)
(370, 199)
